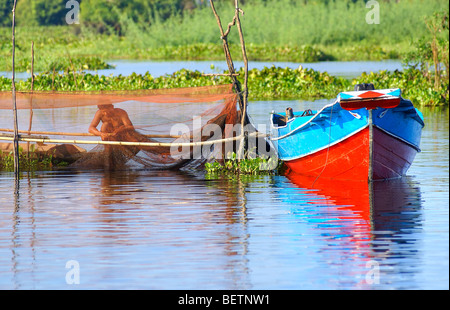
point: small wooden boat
(365, 134)
(357, 209)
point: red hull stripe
(348, 159)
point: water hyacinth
(250, 165)
(265, 84)
(29, 161)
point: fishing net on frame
(126, 129)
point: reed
(251, 165)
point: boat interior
(282, 119)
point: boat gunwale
(299, 127)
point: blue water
(174, 230)
(347, 69)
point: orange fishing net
(128, 129)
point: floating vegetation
(268, 83)
(80, 64)
(251, 166)
(414, 85)
(265, 84)
(29, 161)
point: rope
(328, 148)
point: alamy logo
(373, 16)
(373, 275)
(73, 275)
(72, 17)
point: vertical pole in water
(16, 130)
(244, 93)
(370, 145)
(243, 146)
(31, 99)
(32, 65)
(226, 49)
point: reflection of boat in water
(357, 226)
(366, 210)
(349, 195)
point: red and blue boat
(363, 135)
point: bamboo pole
(16, 134)
(125, 143)
(31, 100)
(32, 65)
(243, 145)
(244, 52)
(80, 134)
(220, 74)
(228, 58)
(225, 45)
(243, 94)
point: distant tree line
(53, 12)
(102, 14)
(5, 12)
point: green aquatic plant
(255, 165)
(265, 84)
(29, 161)
(430, 59)
(414, 85)
(268, 83)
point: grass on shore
(91, 54)
(297, 33)
(280, 30)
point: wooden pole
(243, 145)
(226, 48)
(125, 143)
(16, 133)
(79, 134)
(220, 74)
(32, 65)
(243, 94)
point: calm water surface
(185, 230)
(347, 69)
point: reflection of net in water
(127, 128)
